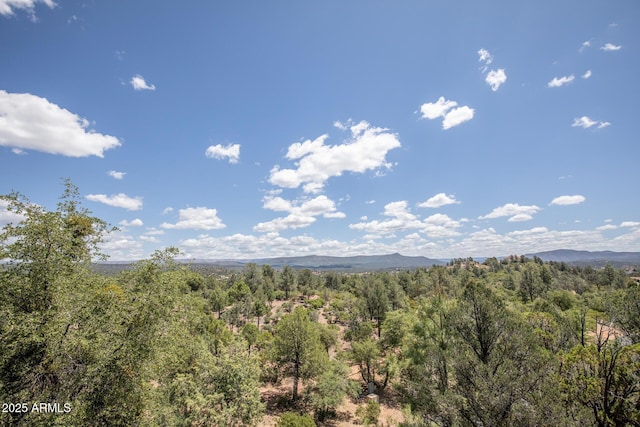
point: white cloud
(138, 82)
(119, 200)
(445, 108)
(33, 123)
(167, 210)
(120, 246)
(584, 45)
(440, 199)
(116, 175)
(433, 110)
(560, 81)
(401, 219)
(485, 56)
(152, 231)
(133, 223)
(631, 224)
(568, 200)
(8, 7)
(316, 162)
(230, 151)
(457, 116)
(495, 78)
(301, 213)
(200, 218)
(521, 217)
(586, 122)
(610, 47)
(514, 211)
(607, 227)
(587, 74)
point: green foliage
(369, 412)
(291, 419)
(297, 347)
(331, 388)
(317, 303)
(604, 379)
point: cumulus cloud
(445, 109)
(440, 199)
(568, 200)
(401, 219)
(560, 81)
(133, 223)
(119, 200)
(609, 47)
(433, 110)
(116, 175)
(301, 213)
(607, 227)
(631, 224)
(316, 162)
(586, 122)
(138, 83)
(230, 151)
(495, 78)
(33, 123)
(514, 211)
(587, 74)
(200, 218)
(8, 7)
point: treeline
(505, 342)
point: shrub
(291, 419)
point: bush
(291, 419)
(316, 303)
(369, 413)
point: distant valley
(394, 261)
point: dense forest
(509, 342)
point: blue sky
(249, 129)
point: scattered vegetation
(515, 341)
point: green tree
(376, 301)
(297, 347)
(331, 388)
(605, 380)
(287, 281)
(250, 334)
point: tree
(532, 284)
(606, 380)
(376, 301)
(287, 281)
(297, 347)
(250, 334)
(331, 388)
(46, 256)
(219, 299)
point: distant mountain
(352, 263)
(597, 258)
(314, 262)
